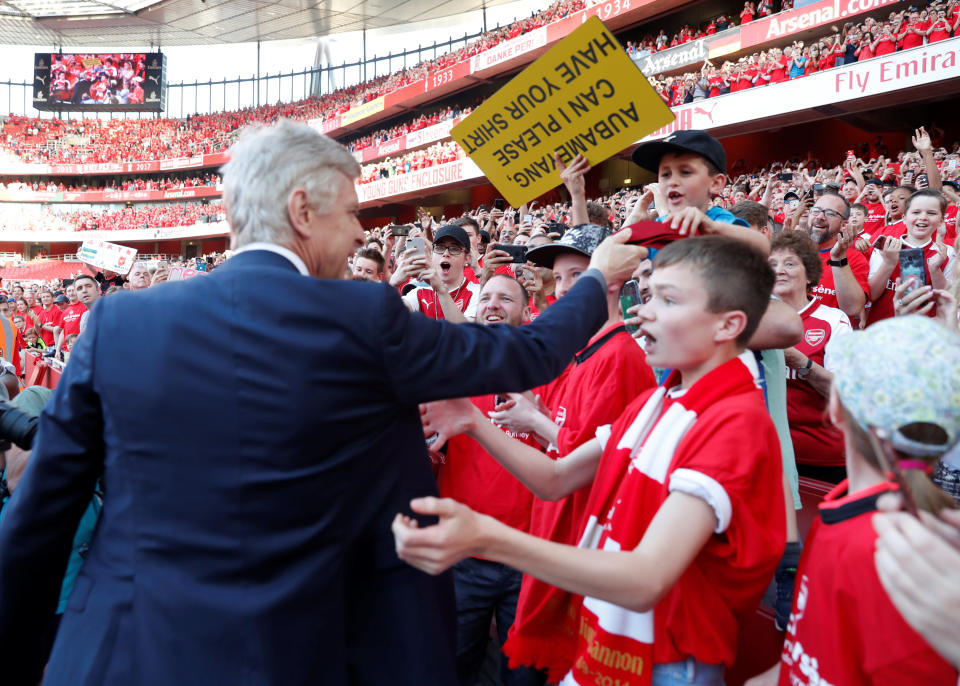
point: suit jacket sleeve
(427, 360)
(38, 526)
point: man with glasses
(450, 295)
(845, 269)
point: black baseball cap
(61, 298)
(454, 232)
(648, 155)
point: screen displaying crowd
(97, 79)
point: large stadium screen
(99, 81)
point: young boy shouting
(690, 168)
(685, 520)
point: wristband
(838, 263)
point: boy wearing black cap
(450, 295)
(691, 170)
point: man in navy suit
(248, 484)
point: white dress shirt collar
(279, 250)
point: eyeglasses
(832, 214)
(454, 250)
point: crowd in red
(140, 217)
(138, 140)
(420, 122)
(655, 43)
(440, 153)
(113, 184)
(872, 37)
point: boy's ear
(717, 184)
(730, 325)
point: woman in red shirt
(865, 50)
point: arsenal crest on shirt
(814, 337)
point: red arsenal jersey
(815, 440)
(51, 317)
(876, 216)
(700, 615)
(882, 307)
(470, 476)
(466, 297)
(71, 318)
(843, 628)
(826, 290)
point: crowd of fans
(421, 122)
(156, 216)
(908, 28)
(650, 43)
(439, 153)
(139, 140)
(866, 244)
(162, 183)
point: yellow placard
(361, 111)
(585, 95)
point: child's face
(680, 332)
(686, 181)
(857, 218)
(923, 218)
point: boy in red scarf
(685, 520)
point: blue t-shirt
(718, 214)
(796, 70)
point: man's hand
(794, 358)
(845, 240)
(921, 141)
(161, 275)
(492, 261)
(862, 245)
(518, 413)
(449, 418)
(409, 265)
(689, 221)
(616, 260)
(434, 549)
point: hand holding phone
(518, 253)
(912, 270)
(629, 297)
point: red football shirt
(826, 291)
(815, 441)
(71, 318)
(882, 307)
(876, 217)
(470, 476)
(700, 615)
(843, 628)
(52, 317)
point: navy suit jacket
(256, 431)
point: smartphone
(518, 253)
(629, 297)
(911, 266)
(399, 229)
(499, 204)
(818, 188)
(951, 164)
(879, 242)
(417, 245)
(786, 176)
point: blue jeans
(690, 671)
(486, 589)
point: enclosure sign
(109, 256)
(585, 95)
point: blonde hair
(926, 494)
